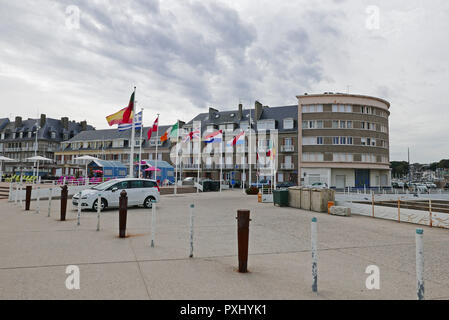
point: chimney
(65, 123)
(258, 108)
(211, 113)
(83, 125)
(240, 116)
(18, 122)
(43, 120)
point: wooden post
(399, 210)
(430, 212)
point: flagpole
(140, 148)
(133, 138)
(250, 149)
(221, 161)
(199, 160)
(157, 143)
(177, 151)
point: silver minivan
(140, 192)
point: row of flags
(123, 119)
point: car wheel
(103, 205)
(149, 202)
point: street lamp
(35, 148)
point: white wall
(348, 173)
(325, 174)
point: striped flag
(128, 126)
(216, 136)
(195, 133)
(238, 139)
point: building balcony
(288, 148)
(287, 166)
(189, 166)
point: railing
(287, 148)
(190, 166)
(287, 166)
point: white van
(140, 192)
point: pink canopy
(152, 169)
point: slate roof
(114, 134)
(51, 125)
(272, 113)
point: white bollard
(192, 206)
(314, 256)
(16, 194)
(79, 211)
(98, 211)
(10, 192)
(49, 201)
(20, 196)
(419, 264)
(153, 222)
(38, 198)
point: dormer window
(30, 134)
(288, 124)
(53, 135)
(21, 135)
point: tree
(399, 168)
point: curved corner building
(344, 140)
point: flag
(174, 130)
(116, 118)
(238, 139)
(164, 137)
(123, 116)
(195, 133)
(154, 128)
(128, 126)
(216, 136)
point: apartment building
(273, 128)
(23, 139)
(344, 140)
(109, 144)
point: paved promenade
(35, 251)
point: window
(342, 124)
(288, 123)
(342, 140)
(312, 108)
(136, 184)
(312, 156)
(363, 141)
(373, 142)
(319, 124)
(349, 140)
(335, 140)
(349, 124)
(335, 124)
(319, 140)
(362, 125)
(288, 141)
(342, 157)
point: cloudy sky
(185, 56)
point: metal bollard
(192, 206)
(64, 196)
(49, 201)
(243, 238)
(153, 222)
(38, 200)
(419, 264)
(99, 204)
(29, 189)
(78, 218)
(16, 194)
(123, 212)
(314, 255)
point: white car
(319, 185)
(140, 192)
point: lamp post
(35, 148)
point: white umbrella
(37, 159)
(2, 158)
(86, 158)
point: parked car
(189, 181)
(446, 186)
(141, 192)
(319, 185)
(431, 185)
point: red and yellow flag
(123, 116)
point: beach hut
(166, 173)
(109, 169)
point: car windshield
(104, 186)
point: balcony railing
(190, 166)
(287, 148)
(287, 166)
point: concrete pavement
(35, 251)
